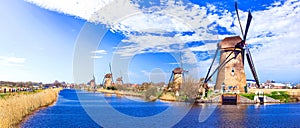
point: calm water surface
(69, 113)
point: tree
(189, 88)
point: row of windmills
(108, 81)
(230, 70)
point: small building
(278, 86)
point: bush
(152, 91)
(189, 88)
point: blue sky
(143, 40)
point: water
(84, 109)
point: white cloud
(278, 31)
(103, 52)
(79, 8)
(11, 61)
(157, 28)
(206, 47)
(147, 30)
(96, 57)
(98, 54)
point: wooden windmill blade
(121, 77)
(206, 77)
(112, 79)
(171, 78)
(181, 67)
(248, 54)
(251, 64)
(103, 82)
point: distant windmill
(108, 80)
(119, 80)
(231, 68)
(176, 79)
(93, 82)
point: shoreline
(25, 118)
(217, 99)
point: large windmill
(232, 56)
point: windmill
(119, 80)
(92, 82)
(108, 80)
(231, 67)
(176, 79)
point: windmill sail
(248, 54)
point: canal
(85, 109)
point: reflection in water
(233, 115)
(248, 115)
(68, 112)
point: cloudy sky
(46, 40)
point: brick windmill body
(176, 80)
(107, 81)
(232, 74)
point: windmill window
(232, 71)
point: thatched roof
(230, 42)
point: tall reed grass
(14, 108)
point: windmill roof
(108, 75)
(177, 71)
(119, 79)
(230, 42)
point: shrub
(189, 88)
(152, 91)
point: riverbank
(120, 93)
(271, 96)
(14, 108)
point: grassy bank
(280, 95)
(248, 95)
(14, 107)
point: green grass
(248, 95)
(210, 92)
(5, 95)
(279, 95)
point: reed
(14, 108)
